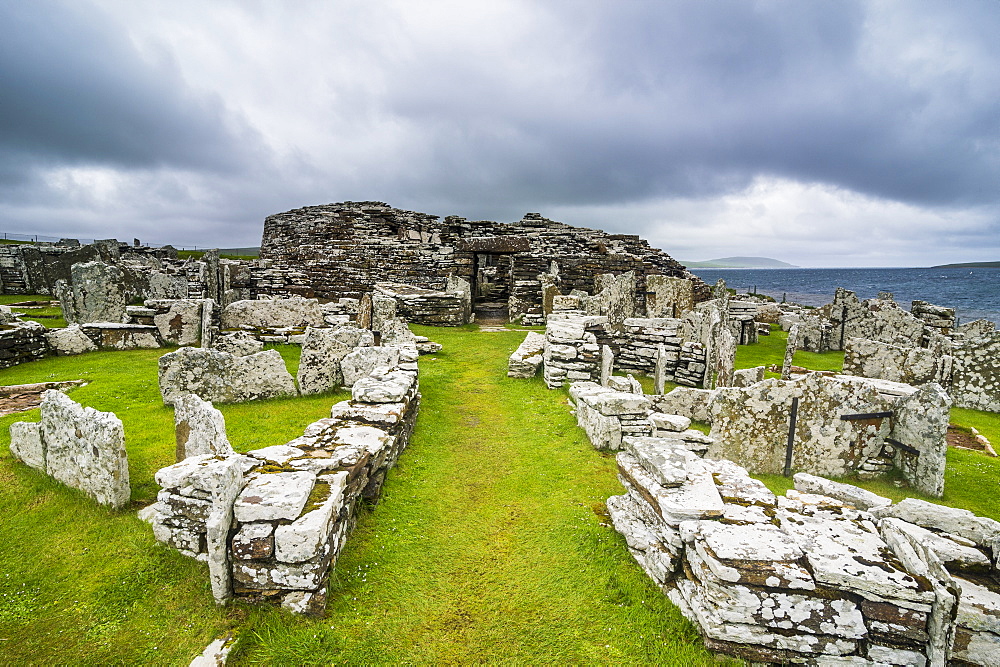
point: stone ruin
(824, 425)
(828, 574)
(345, 249)
(695, 350)
(271, 523)
(80, 447)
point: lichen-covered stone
(69, 340)
(85, 449)
(199, 428)
(525, 361)
(264, 313)
(319, 363)
(239, 343)
(223, 378)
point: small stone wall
(21, 342)
(287, 509)
(451, 306)
(969, 368)
(80, 447)
(808, 578)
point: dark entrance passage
(493, 279)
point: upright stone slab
(85, 449)
(725, 358)
(667, 296)
(920, 423)
(384, 308)
(95, 293)
(199, 428)
(790, 346)
(660, 370)
(319, 364)
(607, 364)
(26, 444)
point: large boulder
(199, 428)
(224, 378)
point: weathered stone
(95, 293)
(253, 541)
(115, 336)
(790, 347)
(26, 444)
(666, 422)
(180, 321)
(70, 340)
(685, 401)
(667, 296)
(239, 343)
(257, 314)
(223, 378)
(84, 449)
(920, 423)
(270, 496)
(852, 495)
(665, 459)
(302, 539)
(319, 363)
(525, 361)
(748, 376)
(981, 530)
(751, 424)
(362, 361)
(391, 387)
(199, 428)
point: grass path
(489, 544)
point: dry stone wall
(272, 523)
(842, 578)
(344, 249)
(21, 342)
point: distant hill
(740, 263)
(969, 265)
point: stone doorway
(492, 281)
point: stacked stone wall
(827, 574)
(289, 508)
(21, 342)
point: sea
(974, 293)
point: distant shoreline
(969, 265)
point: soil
(22, 397)
(958, 437)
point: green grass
(82, 584)
(490, 544)
(50, 316)
(770, 350)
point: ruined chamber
(344, 249)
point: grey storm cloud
(76, 91)
(662, 118)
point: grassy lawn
(490, 543)
(50, 316)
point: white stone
(664, 422)
(273, 313)
(199, 428)
(85, 449)
(302, 539)
(362, 361)
(271, 496)
(392, 387)
(221, 377)
(26, 444)
(852, 495)
(981, 530)
(70, 340)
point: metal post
(791, 437)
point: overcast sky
(819, 133)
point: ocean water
(974, 293)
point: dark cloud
(686, 121)
(74, 90)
